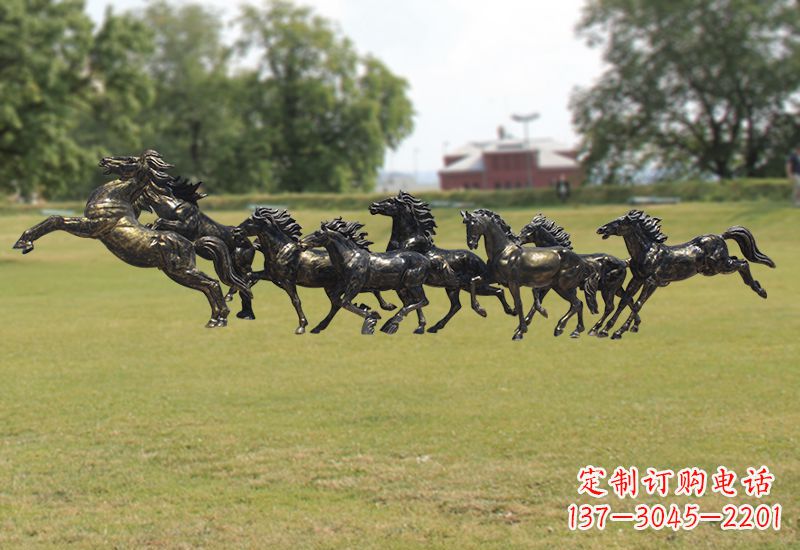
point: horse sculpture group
(337, 258)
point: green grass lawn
(125, 423)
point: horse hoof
(616, 336)
(390, 328)
(517, 336)
(761, 292)
(316, 330)
(420, 330)
(558, 331)
(575, 334)
(300, 330)
(388, 307)
(634, 328)
(602, 334)
(25, 246)
(216, 323)
(543, 311)
(512, 312)
(369, 325)
(480, 311)
(592, 332)
(434, 329)
(229, 297)
(249, 315)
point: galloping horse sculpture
(111, 217)
(413, 228)
(287, 263)
(176, 206)
(360, 270)
(512, 265)
(654, 264)
(543, 231)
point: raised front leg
(384, 305)
(80, 227)
(473, 285)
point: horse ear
(464, 215)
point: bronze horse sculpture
(176, 206)
(111, 216)
(360, 270)
(543, 231)
(654, 264)
(512, 265)
(413, 228)
(288, 263)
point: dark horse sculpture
(111, 217)
(360, 270)
(543, 231)
(413, 228)
(176, 206)
(512, 265)
(654, 264)
(287, 263)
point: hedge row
(733, 190)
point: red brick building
(509, 164)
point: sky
(470, 64)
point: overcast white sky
(470, 63)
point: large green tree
(703, 86)
(63, 91)
(328, 113)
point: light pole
(525, 120)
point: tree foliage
(288, 104)
(704, 86)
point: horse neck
(341, 250)
(404, 227)
(274, 241)
(495, 240)
(638, 243)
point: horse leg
(647, 291)
(455, 305)
(575, 306)
(735, 264)
(291, 290)
(384, 305)
(80, 227)
(627, 299)
(496, 291)
(196, 279)
(538, 296)
(413, 299)
(336, 304)
(522, 328)
(608, 299)
(473, 286)
(407, 298)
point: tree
(701, 86)
(328, 113)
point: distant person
(562, 188)
(793, 173)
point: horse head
(387, 207)
(149, 167)
(271, 225)
(543, 231)
(635, 221)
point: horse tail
(223, 264)
(747, 243)
(590, 286)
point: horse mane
(349, 230)
(282, 219)
(183, 189)
(649, 224)
(152, 163)
(499, 221)
(554, 230)
(420, 210)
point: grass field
(125, 423)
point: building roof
(550, 153)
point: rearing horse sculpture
(413, 228)
(654, 264)
(543, 231)
(176, 206)
(512, 265)
(111, 217)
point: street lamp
(525, 120)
